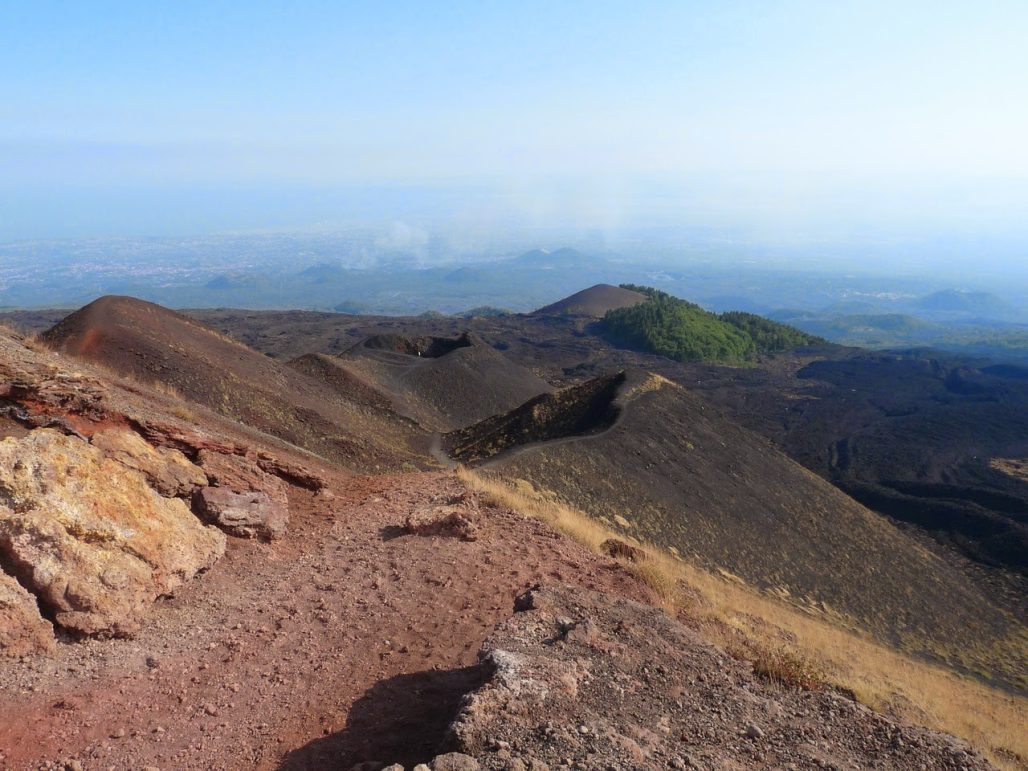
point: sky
(180, 117)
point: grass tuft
(789, 668)
(791, 646)
(35, 342)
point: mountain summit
(595, 301)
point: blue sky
(775, 108)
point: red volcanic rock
(246, 514)
(244, 500)
(596, 681)
(22, 629)
(169, 471)
(90, 537)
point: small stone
(753, 731)
(455, 761)
(118, 733)
(583, 632)
(619, 550)
(73, 765)
(421, 767)
(446, 521)
(393, 767)
(583, 729)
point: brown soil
(443, 383)
(153, 344)
(354, 637)
(583, 680)
(347, 641)
(674, 471)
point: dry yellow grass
(35, 343)
(167, 389)
(31, 340)
(180, 406)
(764, 628)
(1015, 467)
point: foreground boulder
(583, 680)
(244, 500)
(446, 521)
(245, 514)
(90, 537)
(22, 629)
(167, 470)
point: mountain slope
(669, 469)
(682, 330)
(645, 669)
(443, 383)
(354, 635)
(594, 301)
(960, 301)
(154, 344)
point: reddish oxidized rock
(90, 537)
(22, 629)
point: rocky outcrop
(243, 514)
(22, 629)
(89, 536)
(244, 500)
(239, 473)
(583, 680)
(168, 471)
(455, 516)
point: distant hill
(972, 335)
(684, 331)
(484, 311)
(323, 273)
(860, 328)
(594, 301)
(443, 383)
(767, 335)
(663, 466)
(961, 301)
(157, 346)
(677, 329)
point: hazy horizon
(791, 121)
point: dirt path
(348, 641)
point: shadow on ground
(402, 719)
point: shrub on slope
(770, 336)
(681, 330)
